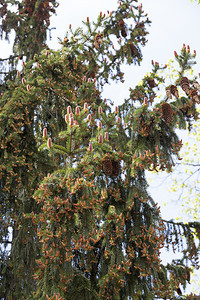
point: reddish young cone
(49, 143)
(100, 110)
(89, 117)
(175, 54)
(44, 132)
(23, 80)
(71, 121)
(69, 109)
(77, 111)
(106, 136)
(66, 118)
(100, 139)
(90, 147)
(145, 102)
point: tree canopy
(77, 218)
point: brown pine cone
(121, 23)
(167, 112)
(174, 91)
(185, 85)
(194, 96)
(123, 32)
(115, 168)
(151, 82)
(168, 93)
(196, 85)
(134, 51)
(107, 165)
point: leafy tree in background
(73, 187)
(196, 0)
(187, 181)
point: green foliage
(75, 195)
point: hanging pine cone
(122, 27)
(196, 85)
(174, 91)
(123, 32)
(121, 24)
(194, 96)
(115, 168)
(185, 85)
(168, 93)
(151, 82)
(134, 51)
(107, 165)
(167, 112)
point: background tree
(186, 184)
(91, 227)
(28, 21)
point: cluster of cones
(133, 49)
(42, 12)
(167, 112)
(110, 166)
(185, 85)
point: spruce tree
(28, 21)
(74, 189)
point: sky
(174, 22)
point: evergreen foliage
(72, 169)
